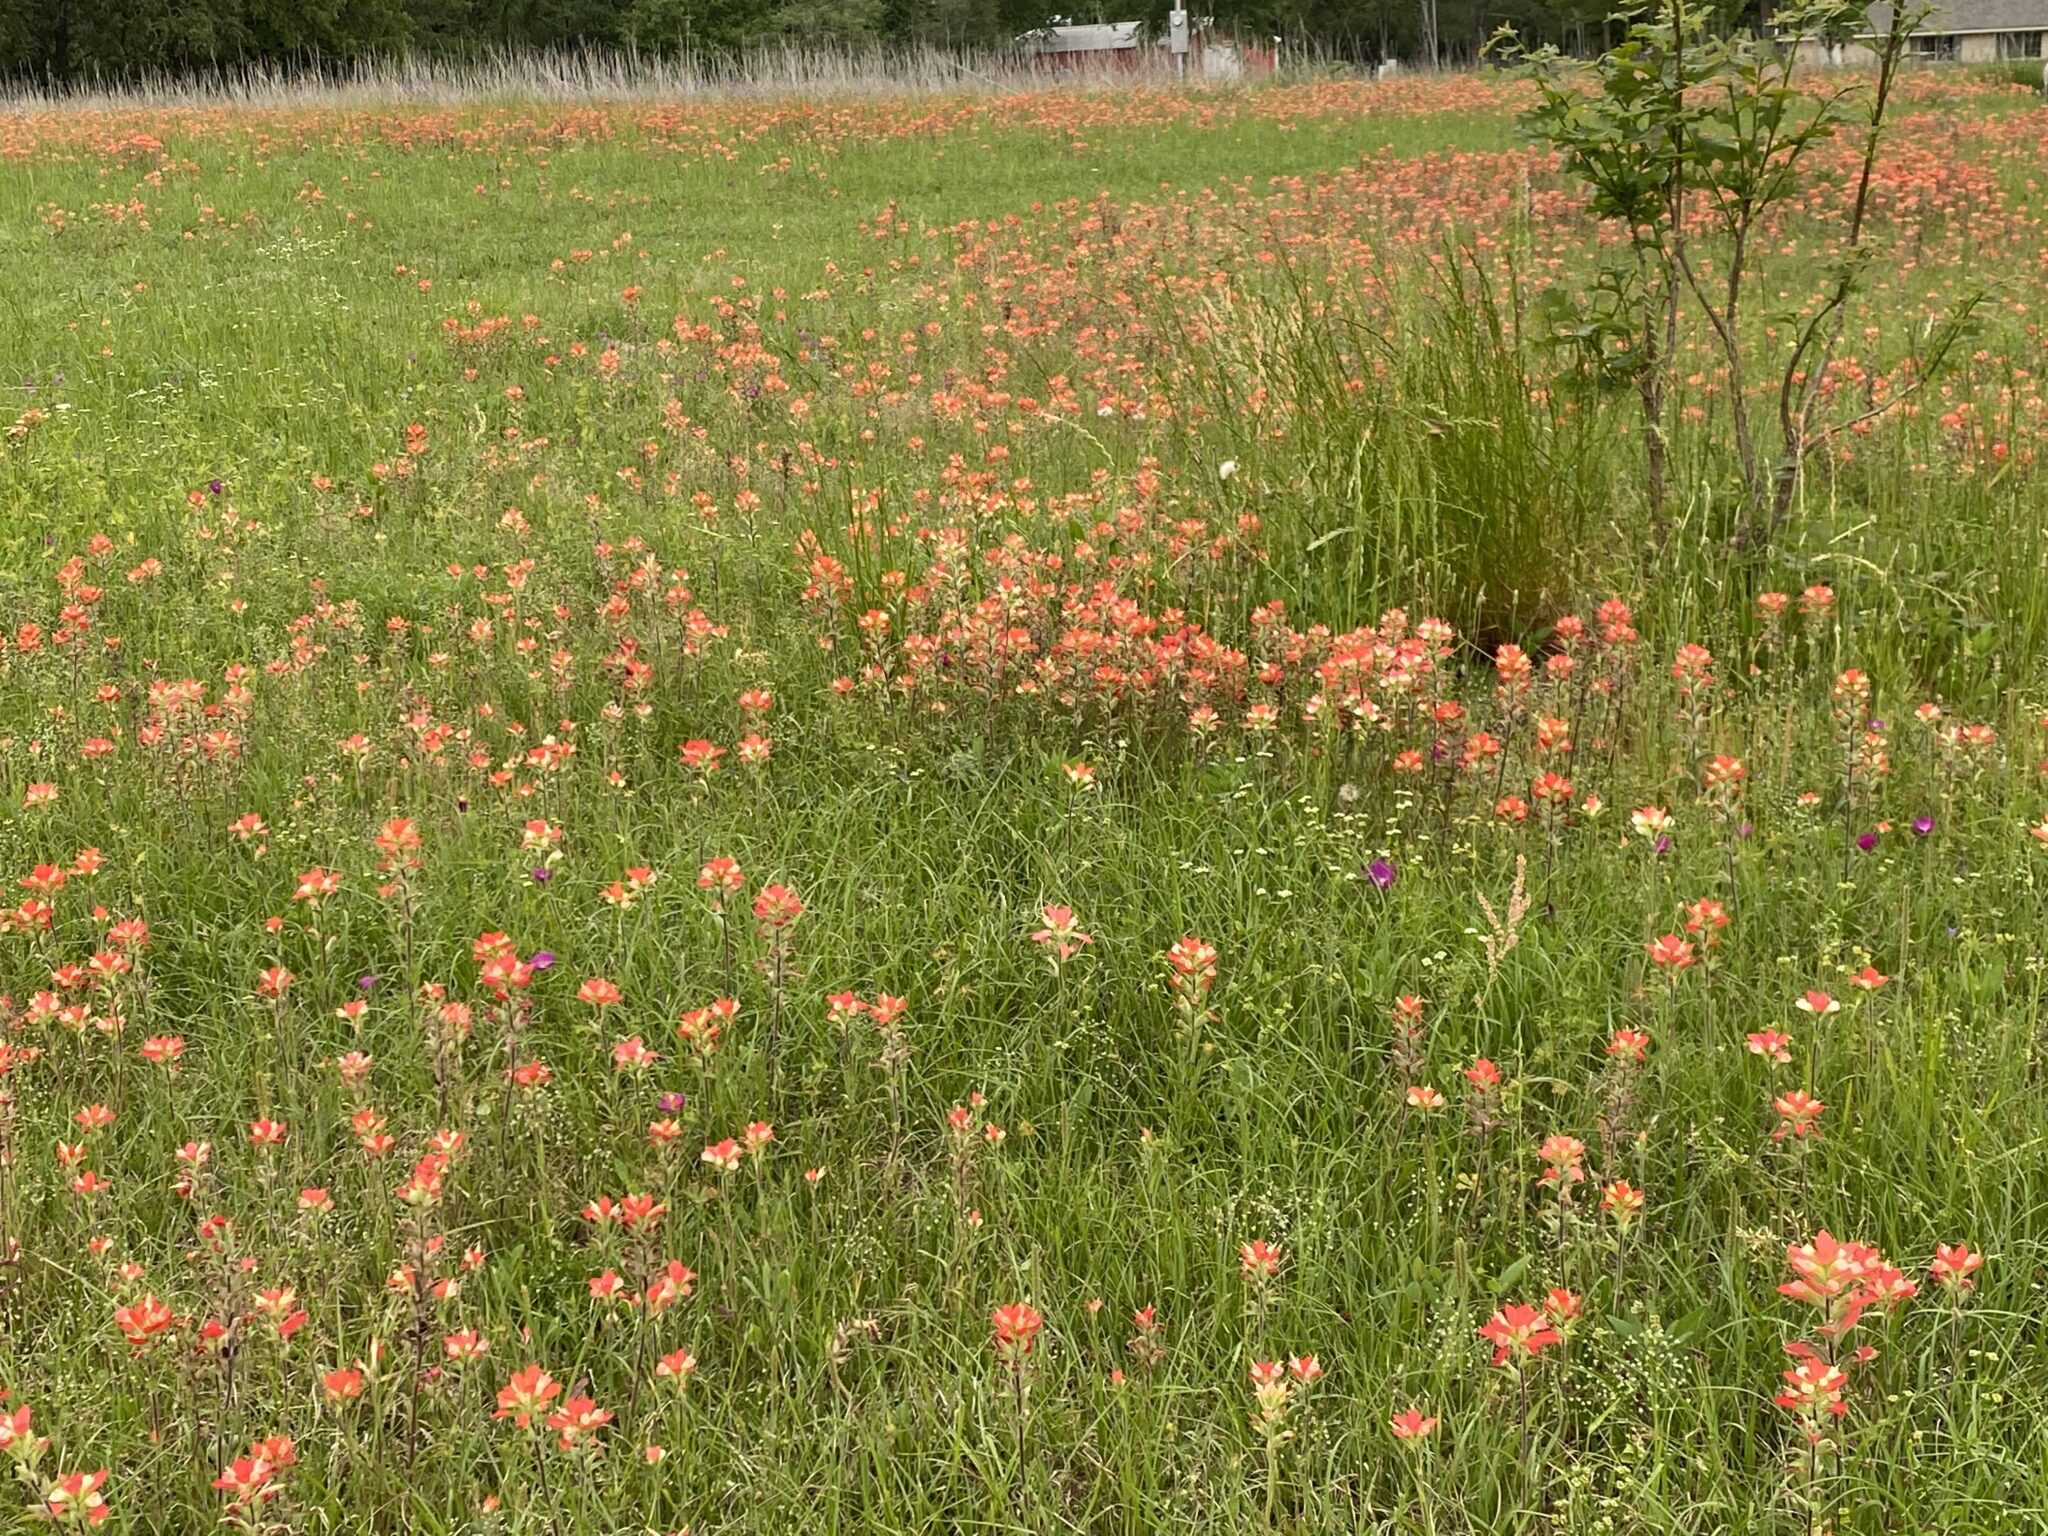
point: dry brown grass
(778, 69)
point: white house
(1966, 31)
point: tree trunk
(60, 48)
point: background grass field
(983, 432)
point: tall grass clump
(1409, 447)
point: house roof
(1100, 37)
(1969, 16)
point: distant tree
(61, 42)
(66, 41)
(695, 26)
(312, 30)
(830, 22)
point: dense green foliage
(55, 41)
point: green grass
(1254, 279)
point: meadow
(997, 812)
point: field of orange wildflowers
(995, 813)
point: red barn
(1106, 45)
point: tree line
(63, 43)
